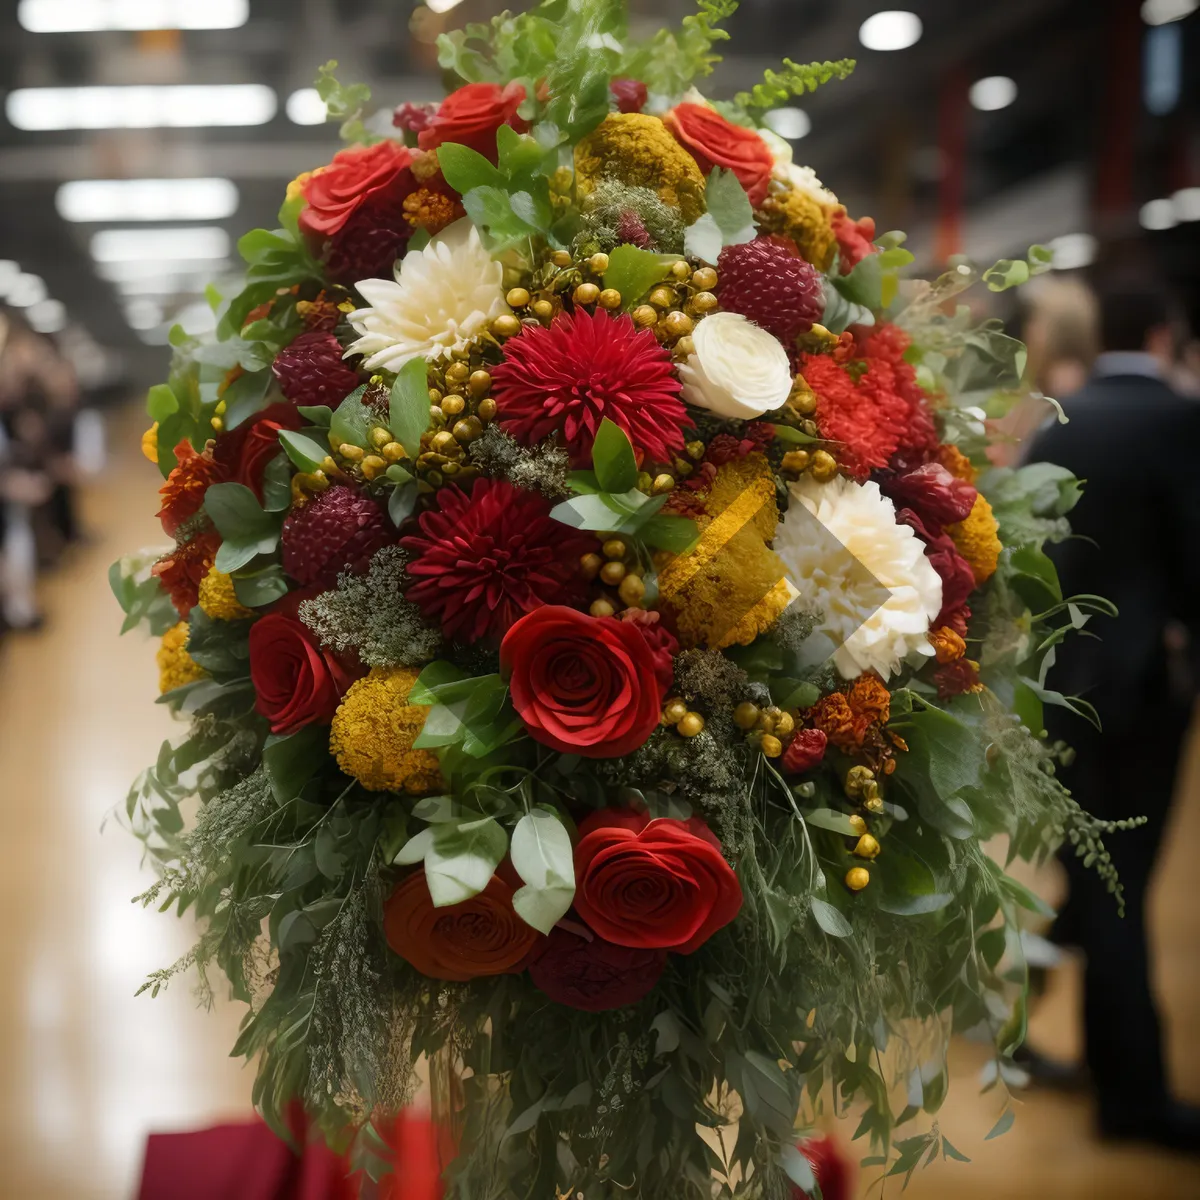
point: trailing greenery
(777, 87)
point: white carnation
(443, 297)
(737, 369)
(867, 575)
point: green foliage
(408, 406)
(345, 103)
(777, 87)
(246, 529)
(633, 272)
(472, 713)
(602, 209)
(307, 454)
(542, 857)
(729, 220)
(140, 595)
(673, 59)
(630, 514)
(1010, 272)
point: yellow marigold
(296, 187)
(948, 646)
(433, 211)
(977, 541)
(218, 600)
(639, 151)
(796, 214)
(150, 443)
(869, 699)
(374, 730)
(957, 463)
(732, 586)
(175, 665)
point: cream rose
(737, 370)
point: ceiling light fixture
(895, 29)
(188, 242)
(197, 272)
(1163, 12)
(441, 6)
(1186, 203)
(47, 316)
(92, 16)
(305, 107)
(147, 200)
(1072, 251)
(992, 93)
(790, 123)
(172, 106)
(1158, 214)
(26, 290)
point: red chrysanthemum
(585, 367)
(919, 441)
(183, 493)
(483, 560)
(181, 570)
(311, 370)
(768, 282)
(339, 530)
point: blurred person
(1060, 330)
(1137, 542)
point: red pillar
(953, 110)
(1114, 198)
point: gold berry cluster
(676, 714)
(617, 568)
(764, 727)
(861, 785)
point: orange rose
(715, 142)
(480, 936)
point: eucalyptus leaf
(462, 859)
(832, 920)
(408, 406)
(542, 856)
(303, 451)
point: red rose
(658, 885)
(471, 116)
(244, 451)
(480, 936)
(716, 142)
(630, 94)
(805, 751)
(659, 638)
(582, 685)
(297, 682)
(594, 975)
(355, 176)
(935, 495)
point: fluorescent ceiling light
(1163, 12)
(992, 93)
(147, 200)
(1072, 251)
(143, 314)
(197, 318)
(47, 316)
(196, 272)
(790, 123)
(441, 6)
(174, 106)
(305, 107)
(9, 272)
(1186, 203)
(1158, 214)
(188, 242)
(26, 290)
(892, 30)
(90, 16)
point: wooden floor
(86, 1070)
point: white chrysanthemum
(804, 179)
(865, 573)
(737, 370)
(443, 297)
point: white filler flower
(867, 575)
(443, 296)
(737, 369)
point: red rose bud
(933, 494)
(472, 115)
(804, 752)
(715, 142)
(654, 885)
(630, 94)
(244, 451)
(582, 685)
(413, 118)
(595, 975)
(659, 638)
(297, 682)
(355, 176)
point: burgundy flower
(245, 450)
(338, 530)
(958, 579)
(804, 752)
(630, 94)
(483, 560)
(586, 367)
(370, 242)
(933, 494)
(659, 638)
(593, 975)
(768, 282)
(311, 370)
(413, 118)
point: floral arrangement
(605, 643)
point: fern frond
(794, 80)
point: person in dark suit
(1134, 442)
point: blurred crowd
(47, 441)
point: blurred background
(139, 138)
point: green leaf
(832, 920)
(402, 502)
(491, 208)
(1005, 274)
(307, 454)
(703, 239)
(542, 856)
(729, 207)
(828, 818)
(612, 458)
(676, 534)
(293, 760)
(408, 406)
(236, 512)
(633, 272)
(534, 208)
(245, 396)
(256, 589)
(161, 402)
(353, 421)
(438, 674)
(864, 284)
(318, 414)
(518, 154)
(277, 485)
(795, 437)
(462, 859)
(466, 169)
(1002, 1126)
